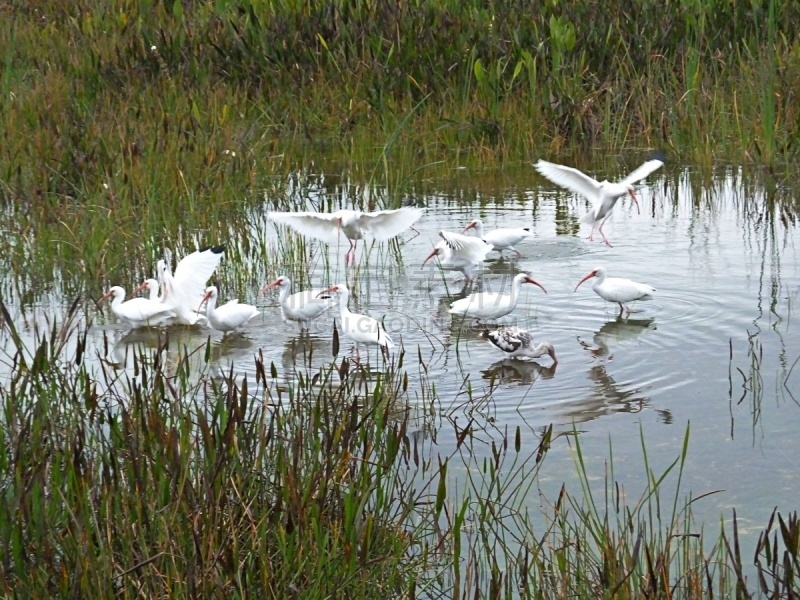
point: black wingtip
(218, 249)
(526, 228)
(658, 155)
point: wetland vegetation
(130, 125)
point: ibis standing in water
(617, 289)
(517, 343)
(301, 307)
(361, 329)
(603, 194)
(138, 312)
(504, 238)
(458, 252)
(381, 225)
(489, 305)
(228, 317)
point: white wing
(463, 243)
(572, 179)
(652, 164)
(322, 226)
(194, 271)
(386, 224)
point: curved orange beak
(108, 294)
(141, 288)
(433, 253)
(468, 227)
(329, 290)
(269, 286)
(206, 296)
(589, 276)
(635, 201)
(534, 282)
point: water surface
(724, 261)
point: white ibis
(516, 342)
(603, 194)
(459, 252)
(617, 289)
(138, 312)
(184, 291)
(504, 238)
(489, 305)
(381, 225)
(301, 307)
(152, 286)
(359, 328)
(228, 317)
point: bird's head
(145, 286)
(474, 224)
(593, 273)
(211, 292)
(438, 249)
(339, 288)
(113, 292)
(282, 282)
(551, 351)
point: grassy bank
(135, 124)
(152, 482)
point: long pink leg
(591, 233)
(350, 257)
(605, 239)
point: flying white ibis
(381, 225)
(603, 194)
(301, 307)
(184, 291)
(138, 312)
(228, 317)
(516, 342)
(489, 305)
(617, 289)
(359, 328)
(504, 238)
(458, 252)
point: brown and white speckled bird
(516, 342)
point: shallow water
(727, 276)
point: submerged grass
(151, 481)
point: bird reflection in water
(173, 341)
(607, 396)
(520, 372)
(619, 330)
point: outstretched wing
(386, 224)
(458, 243)
(653, 163)
(570, 178)
(322, 226)
(194, 271)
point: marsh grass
(139, 125)
(132, 126)
(150, 480)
